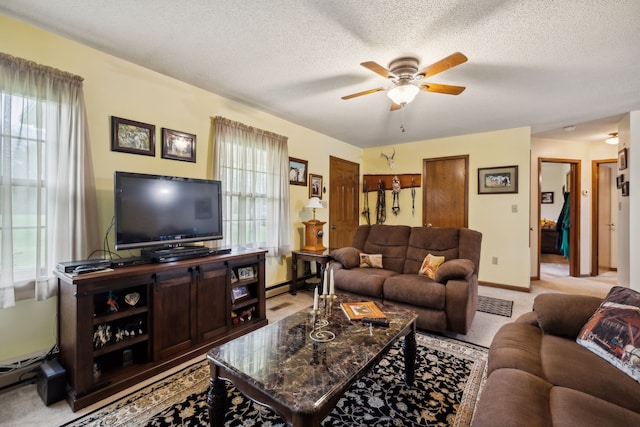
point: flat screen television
(165, 211)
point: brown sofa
(539, 376)
(446, 303)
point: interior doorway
(344, 211)
(604, 236)
(559, 217)
(445, 192)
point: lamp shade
(314, 203)
(403, 94)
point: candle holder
(319, 323)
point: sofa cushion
(349, 256)
(390, 241)
(363, 281)
(612, 332)
(573, 408)
(563, 314)
(430, 265)
(511, 397)
(454, 269)
(371, 260)
(416, 290)
(569, 365)
(430, 240)
(517, 345)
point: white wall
(553, 179)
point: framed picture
(622, 159)
(178, 145)
(619, 180)
(239, 293)
(498, 180)
(625, 188)
(245, 273)
(133, 137)
(546, 198)
(315, 185)
(297, 171)
(234, 278)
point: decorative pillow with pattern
(371, 260)
(430, 265)
(613, 331)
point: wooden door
(445, 192)
(212, 301)
(174, 309)
(344, 210)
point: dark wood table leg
(294, 274)
(410, 356)
(217, 400)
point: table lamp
(313, 228)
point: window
(48, 210)
(252, 165)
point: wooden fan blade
(395, 106)
(446, 89)
(366, 92)
(443, 65)
(377, 68)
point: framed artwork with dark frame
(622, 159)
(315, 186)
(298, 171)
(619, 180)
(129, 136)
(239, 293)
(546, 197)
(625, 189)
(498, 180)
(178, 145)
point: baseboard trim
(507, 287)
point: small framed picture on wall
(315, 185)
(546, 198)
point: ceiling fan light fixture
(403, 93)
(613, 138)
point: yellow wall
(114, 87)
(504, 233)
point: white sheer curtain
(48, 209)
(253, 167)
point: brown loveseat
(539, 376)
(446, 303)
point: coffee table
(301, 379)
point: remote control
(376, 321)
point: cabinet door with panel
(174, 308)
(213, 300)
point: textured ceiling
(540, 63)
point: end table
(321, 258)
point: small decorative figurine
(112, 303)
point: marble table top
(284, 362)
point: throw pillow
(430, 265)
(348, 256)
(612, 332)
(371, 260)
(454, 269)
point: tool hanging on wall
(381, 215)
(365, 212)
(413, 196)
(395, 189)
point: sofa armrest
(454, 269)
(563, 314)
(348, 256)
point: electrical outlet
(514, 208)
(494, 260)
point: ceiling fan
(407, 80)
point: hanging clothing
(563, 225)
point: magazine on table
(360, 310)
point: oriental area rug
(449, 377)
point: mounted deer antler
(389, 158)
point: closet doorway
(559, 216)
(604, 237)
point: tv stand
(177, 311)
(176, 253)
